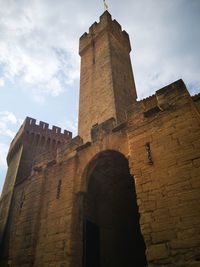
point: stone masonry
(125, 191)
(107, 85)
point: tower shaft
(107, 85)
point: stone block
(163, 236)
(156, 252)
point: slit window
(58, 189)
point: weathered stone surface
(156, 252)
(50, 174)
(107, 86)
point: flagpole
(105, 5)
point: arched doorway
(111, 236)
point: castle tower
(107, 86)
(31, 141)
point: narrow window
(53, 143)
(58, 189)
(48, 142)
(149, 154)
(32, 138)
(27, 135)
(43, 140)
(37, 139)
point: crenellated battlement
(128, 181)
(106, 75)
(149, 102)
(166, 98)
(196, 97)
(96, 29)
(196, 100)
(43, 127)
(38, 135)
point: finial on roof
(105, 5)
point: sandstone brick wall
(107, 85)
(31, 140)
(21, 234)
(96, 102)
(165, 161)
(161, 142)
(7, 193)
(54, 242)
(45, 223)
(42, 205)
(37, 231)
(38, 138)
(196, 100)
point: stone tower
(107, 85)
(130, 196)
(31, 140)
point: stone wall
(196, 100)
(165, 161)
(42, 204)
(107, 85)
(7, 193)
(45, 222)
(21, 198)
(161, 142)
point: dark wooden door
(91, 257)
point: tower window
(58, 189)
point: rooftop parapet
(167, 98)
(196, 97)
(102, 129)
(196, 100)
(38, 134)
(105, 23)
(43, 127)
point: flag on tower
(105, 5)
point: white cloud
(70, 125)
(3, 153)
(2, 82)
(31, 34)
(39, 48)
(7, 117)
(39, 41)
(54, 87)
(165, 40)
(8, 126)
(7, 132)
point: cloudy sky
(39, 62)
